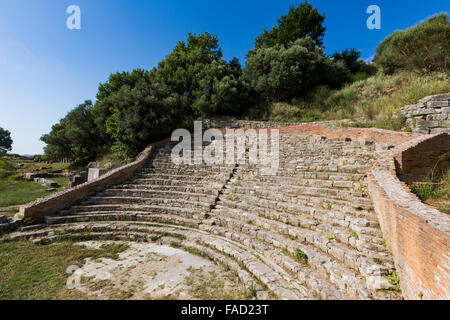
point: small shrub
(394, 280)
(300, 255)
(252, 291)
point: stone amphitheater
(309, 232)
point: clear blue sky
(46, 69)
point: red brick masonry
(417, 235)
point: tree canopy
(75, 136)
(5, 140)
(301, 22)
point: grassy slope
(14, 190)
(372, 101)
(28, 271)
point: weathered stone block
(437, 104)
(424, 112)
(94, 173)
(439, 130)
(437, 117)
(425, 124)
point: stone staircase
(308, 232)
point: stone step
(120, 216)
(355, 284)
(287, 192)
(132, 208)
(180, 169)
(341, 239)
(217, 176)
(169, 194)
(129, 200)
(261, 181)
(340, 274)
(255, 204)
(167, 188)
(290, 201)
(300, 271)
(163, 164)
(330, 223)
(282, 285)
(178, 182)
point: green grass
(35, 272)
(374, 101)
(112, 250)
(394, 280)
(436, 194)
(14, 190)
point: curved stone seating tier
(308, 232)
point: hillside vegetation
(374, 101)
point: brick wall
(51, 204)
(417, 234)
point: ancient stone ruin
(337, 221)
(429, 115)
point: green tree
(423, 48)
(283, 73)
(196, 70)
(103, 109)
(5, 141)
(75, 136)
(143, 114)
(221, 91)
(119, 79)
(351, 58)
(301, 22)
(206, 42)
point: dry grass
(374, 101)
(436, 194)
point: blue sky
(46, 69)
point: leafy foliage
(352, 60)
(301, 22)
(5, 140)
(196, 70)
(143, 114)
(282, 73)
(75, 136)
(423, 48)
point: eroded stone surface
(146, 271)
